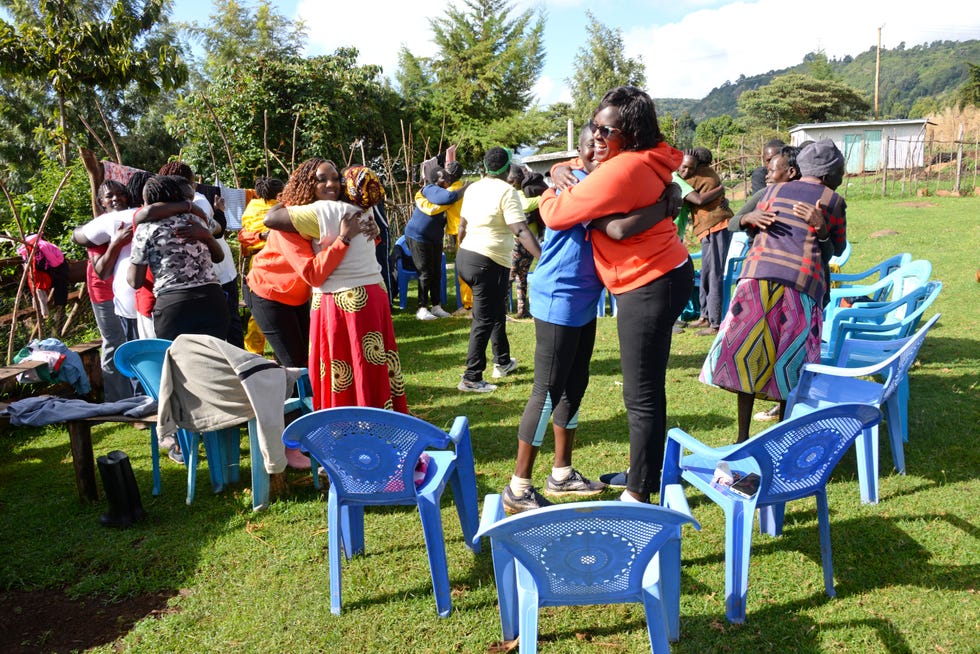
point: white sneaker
(439, 312)
(500, 371)
(425, 314)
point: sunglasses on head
(604, 131)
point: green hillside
(933, 72)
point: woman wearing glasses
(650, 273)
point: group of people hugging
(317, 291)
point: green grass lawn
(906, 570)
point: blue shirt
(564, 288)
(425, 228)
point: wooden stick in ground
(292, 160)
(224, 139)
(112, 137)
(265, 138)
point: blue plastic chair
(893, 286)
(586, 553)
(143, 360)
(794, 460)
(840, 259)
(303, 402)
(872, 274)
(822, 386)
(876, 321)
(406, 275)
(601, 306)
(370, 456)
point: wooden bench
(82, 454)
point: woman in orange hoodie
(650, 273)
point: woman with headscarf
(775, 317)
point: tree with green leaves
(599, 67)
(68, 48)
(476, 90)
(793, 99)
(275, 114)
(969, 93)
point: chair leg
(463, 483)
(738, 549)
(215, 459)
(505, 578)
(435, 545)
(527, 600)
(155, 459)
(897, 421)
(658, 620)
(771, 518)
(866, 447)
(189, 448)
(260, 478)
(334, 536)
(823, 521)
(903, 403)
(667, 592)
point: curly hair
(178, 168)
(268, 188)
(301, 187)
(638, 116)
(164, 188)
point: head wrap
(362, 186)
(820, 159)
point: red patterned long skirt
(353, 355)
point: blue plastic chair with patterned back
(875, 321)
(890, 288)
(793, 459)
(582, 553)
(143, 360)
(822, 386)
(371, 457)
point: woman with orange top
(650, 273)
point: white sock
(627, 497)
(518, 485)
(561, 474)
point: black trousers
(286, 328)
(489, 281)
(561, 375)
(644, 320)
(198, 310)
(427, 258)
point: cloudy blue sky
(688, 46)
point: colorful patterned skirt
(770, 331)
(353, 355)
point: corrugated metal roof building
(872, 144)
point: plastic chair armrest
(686, 440)
(493, 512)
(835, 371)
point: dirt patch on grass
(917, 205)
(48, 621)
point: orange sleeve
(312, 268)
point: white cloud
(706, 48)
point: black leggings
(489, 281)
(561, 375)
(287, 328)
(645, 318)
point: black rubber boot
(136, 512)
(114, 486)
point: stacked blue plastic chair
(143, 360)
(822, 386)
(889, 288)
(875, 321)
(405, 275)
(872, 274)
(793, 459)
(371, 456)
(583, 553)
